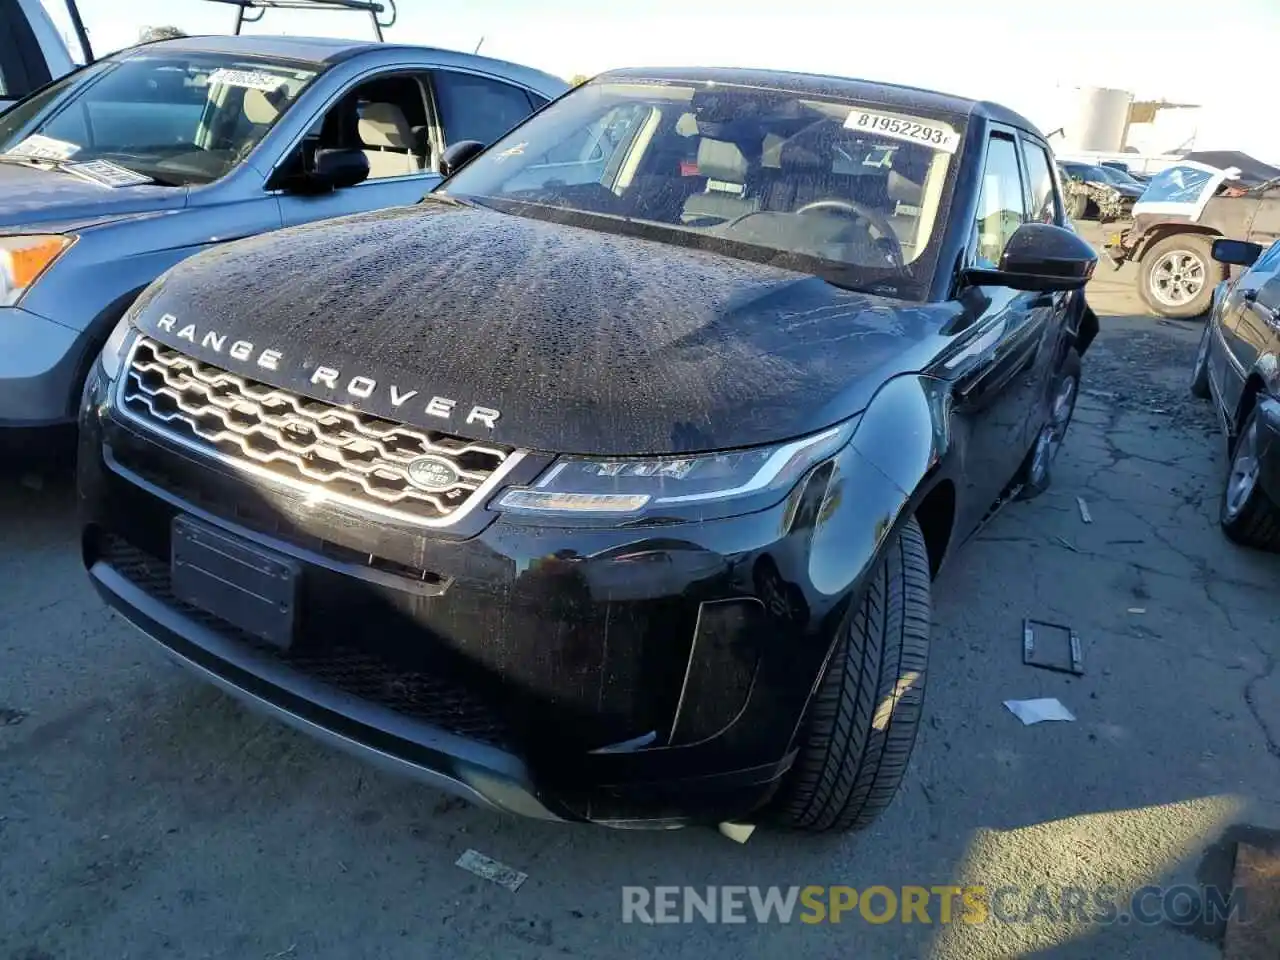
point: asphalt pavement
(145, 815)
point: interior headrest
(807, 154)
(258, 108)
(903, 189)
(721, 160)
(384, 125)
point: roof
(309, 49)
(815, 84)
(328, 51)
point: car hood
(583, 341)
(41, 197)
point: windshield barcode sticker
(250, 79)
(108, 174)
(44, 148)
(930, 133)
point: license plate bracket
(249, 587)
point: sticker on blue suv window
(933, 134)
(250, 79)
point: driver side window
(384, 118)
(1002, 206)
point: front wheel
(1177, 276)
(863, 720)
(1247, 515)
(1038, 472)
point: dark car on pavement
(1099, 193)
(1184, 209)
(607, 483)
(1236, 367)
(114, 173)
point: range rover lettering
(608, 482)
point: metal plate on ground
(249, 587)
(1051, 646)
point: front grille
(335, 453)
(408, 691)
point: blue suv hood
(46, 197)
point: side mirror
(458, 155)
(1042, 257)
(1238, 253)
(336, 169)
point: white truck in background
(31, 50)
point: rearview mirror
(335, 169)
(1042, 257)
(458, 155)
(1238, 253)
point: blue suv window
(478, 108)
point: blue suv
(114, 173)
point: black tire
(1200, 369)
(1248, 516)
(1195, 247)
(1036, 475)
(863, 720)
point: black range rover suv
(608, 482)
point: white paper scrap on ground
(1034, 711)
(491, 870)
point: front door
(1246, 324)
(997, 379)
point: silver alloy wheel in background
(1055, 430)
(1245, 466)
(1178, 278)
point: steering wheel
(868, 215)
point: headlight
(117, 345)
(625, 487)
(23, 260)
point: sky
(1022, 53)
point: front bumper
(39, 363)
(651, 676)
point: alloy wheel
(1177, 278)
(1245, 466)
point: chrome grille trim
(309, 464)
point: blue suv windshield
(186, 118)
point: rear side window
(478, 108)
(1002, 207)
(1044, 202)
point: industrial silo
(1100, 119)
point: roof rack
(381, 12)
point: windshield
(852, 193)
(177, 119)
(1112, 175)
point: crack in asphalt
(1204, 575)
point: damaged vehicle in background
(1238, 368)
(114, 173)
(1098, 192)
(1184, 209)
(608, 483)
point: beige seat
(388, 141)
(258, 108)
